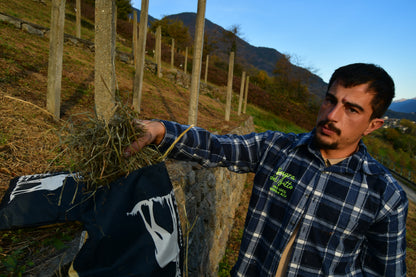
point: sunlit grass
(264, 120)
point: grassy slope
(28, 135)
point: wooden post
(78, 19)
(155, 50)
(229, 87)
(141, 51)
(186, 60)
(115, 19)
(172, 54)
(105, 39)
(246, 94)
(206, 69)
(135, 36)
(240, 100)
(197, 62)
(56, 47)
(159, 51)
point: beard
(320, 142)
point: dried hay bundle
(96, 149)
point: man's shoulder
(289, 140)
(380, 177)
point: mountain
(404, 106)
(262, 58)
(150, 18)
(399, 115)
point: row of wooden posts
(105, 78)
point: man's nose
(334, 113)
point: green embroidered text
(282, 183)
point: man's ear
(374, 125)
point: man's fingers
(154, 133)
(131, 149)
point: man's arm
(384, 251)
(239, 153)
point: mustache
(329, 125)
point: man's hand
(154, 134)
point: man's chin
(324, 142)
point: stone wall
(211, 197)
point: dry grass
(29, 136)
(97, 148)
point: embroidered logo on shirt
(282, 183)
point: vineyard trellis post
(78, 19)
(241, 98)
(135, 36)
(56, 46)
(246, 94)
(158, 53)
(141, 52)
(105, 39)
(229, 87)
(197, 62)
(206, 69)
(172, 54)
(186, 60)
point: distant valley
(403, 109)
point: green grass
(264, 120)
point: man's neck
(329, 162)
(338, 153)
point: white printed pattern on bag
(166, 244)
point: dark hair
(379, 82)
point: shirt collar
(360, 160)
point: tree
(173, 28)
(411, 127)
(261, 78)
(210, 44)
(283, 69)
(124, 8)
(230, 36)
(287, 81)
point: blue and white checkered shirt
(351, 215)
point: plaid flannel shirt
(351, 215)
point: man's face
(343, 119)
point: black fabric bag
(133, 224)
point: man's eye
(352, 110)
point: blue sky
(321, 34)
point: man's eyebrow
(330, 95)
(354, 105)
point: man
(321, 205)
